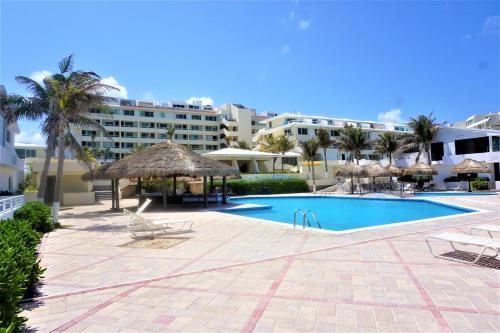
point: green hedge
(20, 270)
(265, 186)
(38, 214)
(479, 184)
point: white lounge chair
(469, 240)
(486, 227)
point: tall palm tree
(387, 143)
(267, 143)
(424, 129)
(170, 132)
(283, 144)
(324, 142)
(353, 140)
(309, 152)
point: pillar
(175, 186)
(205, 194)
(117, 193)
(224, 190)
(139, 191)
(113, 194)
(211, 184)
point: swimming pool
(344, 213)
(451, 194)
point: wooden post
(224, 190)
(113, 194)
(164, 188)
(175, 187)
(211, 184)
(117, 193)
(205, 196)
(139, 191)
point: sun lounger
(483, 243)
(486, 227)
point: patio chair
(483, 243)
(489, 228)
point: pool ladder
(305, 218)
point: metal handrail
(295, 216)
(313, 214)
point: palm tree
(267, 143)
(387, 143)
(324, 142)
(309, 152)
(170, 132)
(353, 140)
(243, 145)
(424, 129)
(283, 144)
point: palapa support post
(164, 188)
(139, 191)
(175, 186)
(224, 201)
(117, 194)
(205, 196)
(113, 194)
(211, 184)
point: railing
(305, 218)
(8, 205)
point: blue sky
(362, 60)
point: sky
(367, 60)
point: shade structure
(167, 159)
(470, 166)
(349, 170)
(420, 169)
(98, 173)
(375, 170)
(393, 171)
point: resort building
(11, 167)
(201, 128)
(482, 121)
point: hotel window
(114, 134)
(108, 144)
(196, 128)
(95, 111)
(180, 127)
(127, 145)
(193, 107)
(162, 136)
(196, 117)
(162, 114)
(127, 124)
(495, 143)
(147, 135)
(181, 136)
(180, 116)
(129, 113)
(302, 131)
(253, 122)
(7, 135)
(211, 138)
(196, 147)
(288, 131)
(330, 122)
(211, 147)
(194, 137)
(315, 121)
(290, 161)
(89, 133)
(437, 151)
(129, 135)
(147, 125)
(178, 106)
(211, 118)
(149, 114)
(211, 128)
(472, 146)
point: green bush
(38, 214)
(479, 184)
(265, 186)
(19, 270)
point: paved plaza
(237, 274)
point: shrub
(19, 270)
(265, 186)
(452, 179)
(38, 214)
(479, 184)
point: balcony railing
(8, 205)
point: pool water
(341, 213)
(451, 194)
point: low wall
(76, 199)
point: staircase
(102, 192)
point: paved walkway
(237, 274)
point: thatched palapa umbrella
(469, 166)
(392, 171)
(420, 169)
(375, 170)
(349, 170)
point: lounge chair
(469, 240)
(486, 227)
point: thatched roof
(421, 169)
(375, 170)
(393, 171)
(349, 169)
(167, 159)
(97, 173)
(470, 166)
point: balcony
(8, 158)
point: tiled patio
(237, 274)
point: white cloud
(30, 136)
(205, 100)
(38, 76)
(304, 24)
(285, 49)
(491, 25)
(391, 116)
(148, 96)
(111, 81)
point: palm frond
(66, 64)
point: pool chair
(483, 243)
(489, 228)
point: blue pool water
(451, 194)
(340, 214)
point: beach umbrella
(375, 170)
(469, 166)
(420, 169)
(349, 170)
(393, 171)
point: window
(180, 127)
(315, 121)
(128, 145)
(128, 113)
(193, 107)
(330, 122)
(195, 128)
(211, 147)
(162, 136)
(211, 128)
(334, 133)
(211, 118)
(290, 161)
(147, 135)
(181, 136)
(7, 135)
(495, 143)
(179, 106)
(235, 128)
(194, 137)
(211, 138)
(89, 133)
(149, 114)
(148, 125)
(437, 151)
(472, 146)
(127, 124)
(253, 122)
(196, 147)
(302, 131)
(196, 117)
(180, 116)
(114, 134)
(129, 135)
(288, 131)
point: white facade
(11, 167)
(482, 121)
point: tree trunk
(428, 151)
(274, 163)
(282, 166)
(46, 165)
(326, 163)
(314, 180)
(352, 184)
(390, 159)
(60, 166)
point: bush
(452, 179)
(19, 270)
(38, 214)
(479, 184)
(265, 186)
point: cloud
(205, 100)
(30, 136)
(148, 96)
(467, 37)
(292, 15)
(304, 24)
(391, 116)
(285, 49)
(491, 25)
(111, 81)
(38, 76)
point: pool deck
(238, 274)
